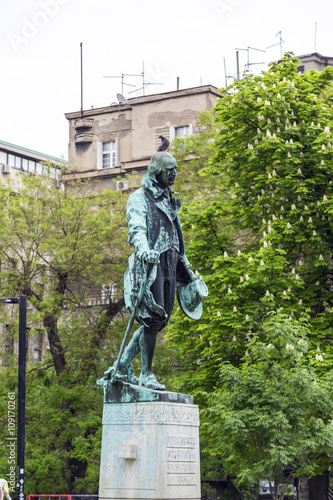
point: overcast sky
(190, 39)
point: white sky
(40, 52)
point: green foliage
(59, 247)
(261, 238)
(275, 412)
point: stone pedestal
(150, 445)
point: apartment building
(314, 61)
(15, 161)
(106, 144)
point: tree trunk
(318, 487)
(57, 351)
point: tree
(275, 412)
(262, 240)
(60, 247)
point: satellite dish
(122, 99)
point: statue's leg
(125, 366)
(148, 342)
(163, 290)
(131, 351)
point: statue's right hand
(151, 256)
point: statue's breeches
(164, 289)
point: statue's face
(169, 171)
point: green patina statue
(159, 266)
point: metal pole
(225, 74)
(81, 81)
(237, 62)
(21, 395)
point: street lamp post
(22, 301)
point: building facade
(314, 61)
(106, 144)
(16, 160)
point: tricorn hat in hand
(190, 298)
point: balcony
(83, 137)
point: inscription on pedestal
(181, 460)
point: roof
(31, 152)
(315, 54)
(133, 101)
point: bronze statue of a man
(155, 233)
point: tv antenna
(280, 42)
(248, 64)
(144, 83)
(122, 80)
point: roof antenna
(81, 82)
(315, 39)
(144, 83)
(279, 43)
(122, 80)
(248, 64)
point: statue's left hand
(151, 257)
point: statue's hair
(154, 168)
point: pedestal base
(150, 450)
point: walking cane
(131, 321)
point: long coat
(151, 227)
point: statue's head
(162, 167)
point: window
(31, 166)
(108, 154)
(183, 131)
(11, 160)
(37, 347)
(8, 346)
(39, 169)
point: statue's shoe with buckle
(128, 371)
(149, 381)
